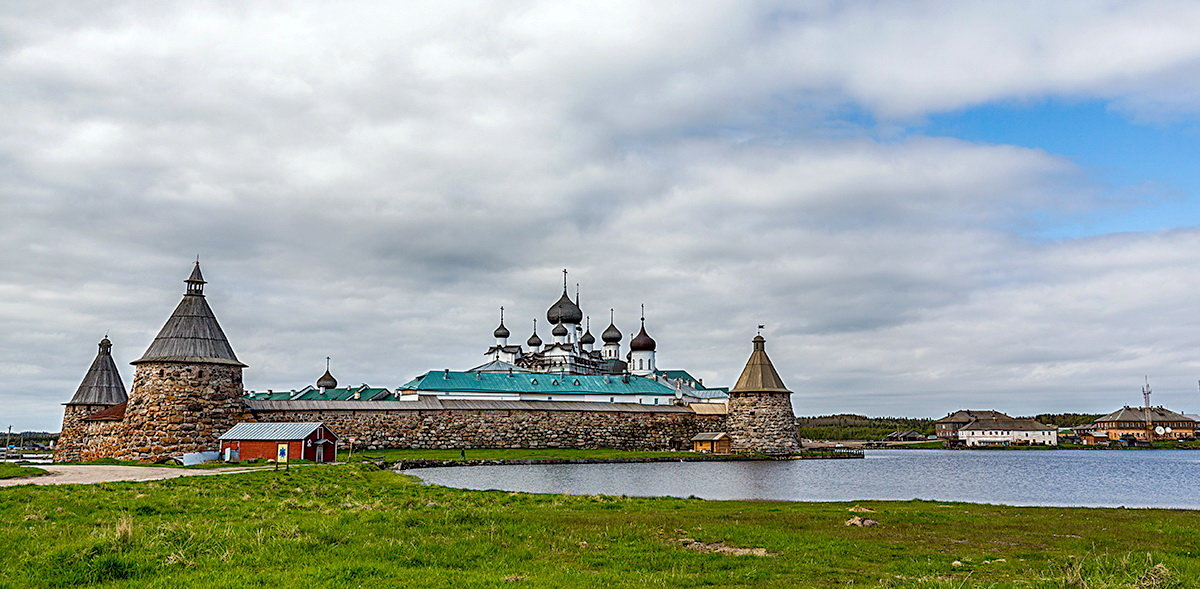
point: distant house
(714, 442)
(1145, 423)
(947, 427)
(1008, 432)
(905, 436)
(304, 441)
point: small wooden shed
(714, 442)
(303, 441)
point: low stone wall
(93, 440)
(453, 428)
(77, 436)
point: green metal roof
(272, 396)
(560, 384)
(345, 394)
(681, 375)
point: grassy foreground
(351, 526)
(9, 470)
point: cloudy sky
(931, 205)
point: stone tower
(760, 417)
(187, 387)
(100, 389)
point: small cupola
(611, 335)
(534, 342)
(642, 342)
(501, 332)
(327, 381)
(195, 282)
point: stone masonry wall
(101, 439)
(762, 422)
(507, 429)
(176, 408)
(76, 434)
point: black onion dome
(534, 341)
(564, 311)
(327, 381)
(501, 331)
(612, 335)
(560, 330)
(642, 342)
(587, 338)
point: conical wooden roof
(759, 375)
(102, 384)
(192, 333)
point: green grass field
(9, 470)
(351, 526)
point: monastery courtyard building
(567, 393)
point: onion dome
(502, 331)
(534, 340)
(564, 311)
(642, 342)
(612, 335)
(587, 338)
(560, 330)
(327, 381)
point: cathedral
(573, 347)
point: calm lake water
(1108, 478)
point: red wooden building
(303, 441)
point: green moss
(352, 525)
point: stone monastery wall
(91, 440)
(426, 429)
(456, 428)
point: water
(1100, 478)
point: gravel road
(82, 475)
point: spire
(192, 333)
(327, 381)
(759, 375)
(102, 384)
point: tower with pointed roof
(187, 387)
(759, 414)
(100, 389)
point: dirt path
(82, 475)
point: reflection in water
(1108, 478)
